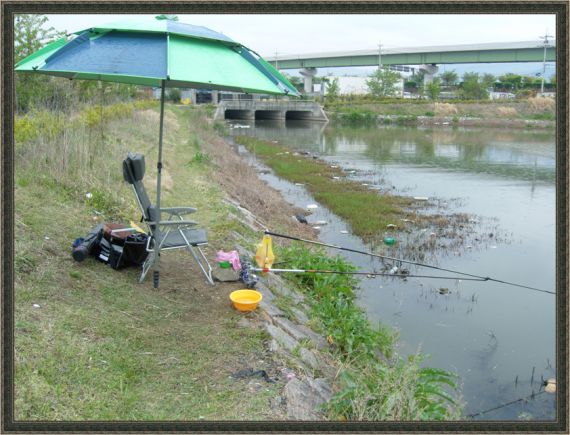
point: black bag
(134, 249)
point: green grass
(100, 346)
(344, 197)
(374, 383)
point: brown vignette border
(9, 8)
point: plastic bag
(232, 257)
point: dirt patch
(241, 182)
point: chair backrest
(133, 173)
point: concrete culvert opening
(268, 114)
(299, 114)
(238, 114)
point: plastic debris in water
(389, 241)
(393, 270)
(343, 232)
(550, 386)
(312, 206)
(391, 226)
(421, 198)
(317, 227)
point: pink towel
(232, 257)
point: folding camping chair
(175, 232)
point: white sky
(294, 34)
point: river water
(500, 339)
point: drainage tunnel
(238, 114)
(299, 114)
(269, 114)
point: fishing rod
(393, 275)
(415, 263)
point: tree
(513, 81)
(382, 82)
(296, 81)
(433, 88)
(472, 87)
(333, 89)
(449, 78)
(30, 35)
(488, 80)
(553, 79)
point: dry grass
(541, 104)
(445, 109)
(506, 112)
(241, 183)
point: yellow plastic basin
(245, 300)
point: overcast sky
(292, 34)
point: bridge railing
(244, 99)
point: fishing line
(415, 263)
(522, 399)
(393, 275)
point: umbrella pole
(157, 235)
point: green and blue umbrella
(159, 52)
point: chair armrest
(177, 223)
(179, 210)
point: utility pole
(545, 38)
(379, 55)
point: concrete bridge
(426, 57)
(270, 109)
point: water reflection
(525, 155)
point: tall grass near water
(375, 383)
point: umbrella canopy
(146, 52)
(158, 52)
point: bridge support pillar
(308, 74)
(430, 71)
(215, 98)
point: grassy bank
(329, 186)
(492, 112)
(374, 383)
(90, 342)
(372, 214)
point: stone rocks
(282, 337)
(304, 400)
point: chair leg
(146, 266)
(203, 263)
